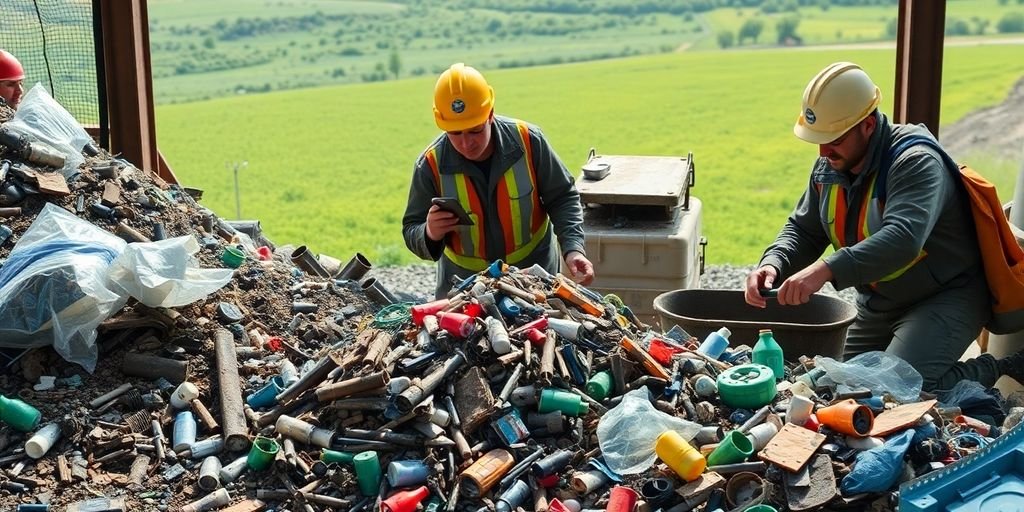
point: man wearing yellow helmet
(505, 175)
(902, 233)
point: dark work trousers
(932, 336)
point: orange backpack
(1001, 254)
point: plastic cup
(262, 453)
(368, 472)
(622, 499)
(735, 447)
(406, 473)
(232, 257)
(267, 395)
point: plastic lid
(724, 332)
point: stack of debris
(304, 385)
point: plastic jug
(767, 352)
(19, 415)
(716, 343)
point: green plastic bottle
(19, 415)
(768, 352)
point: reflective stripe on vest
(524, 222)
(870, 220)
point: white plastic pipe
(42, 441)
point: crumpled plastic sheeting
(65, 276)
(878, 371)
(628, 431)
(877, 469)
(163, 273)
(53, 286)
(43, 119)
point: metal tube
(302, 258)
(152, 367)
(352, 386)
(425, 386)
(229, 386)
(377, 292)
(356, 268)
(308, 380)
(209, 473)
(106, 397)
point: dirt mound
(997, 130)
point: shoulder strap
(896, 150)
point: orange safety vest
(870, 220)
(523, 220)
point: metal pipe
(315, 376)
(420, 388)
(152, 367)
(302, 258)
(356, 268)
(230, 389)
(352, 386)
(377, 292)
(106, 397)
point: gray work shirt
(923, 210)
(558, 197)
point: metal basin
(816, 328)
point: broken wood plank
(111, 195)
(52, 183)
(792, 447)
(903, 416)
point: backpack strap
(895, 151)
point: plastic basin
(816, 328)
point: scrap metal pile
(304, 385)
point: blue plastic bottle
(716, 343)
(768, 352)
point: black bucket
(816, 328)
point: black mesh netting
(53, 39)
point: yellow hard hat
(462, 99)
(835, 100)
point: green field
(330, 166)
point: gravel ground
(416, 282)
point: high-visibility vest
(870, 220)
(523, 219)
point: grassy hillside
(203, 49)
(330, 166)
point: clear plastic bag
(53, 286)
(880, 372)
(42, 119)
(163, 274)
(628, 431)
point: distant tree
(1012, 22)
(394, 63)
(209, 43)
(786, 29)
(892, 28)
(957, 27)
(981, 25)
(751, 29)
(726, 39)
(1003, 2)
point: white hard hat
(835, 100)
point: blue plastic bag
(877, 470)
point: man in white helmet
(910, 250)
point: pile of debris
(303, 384)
